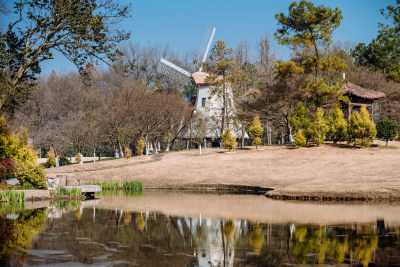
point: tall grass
(12, 196)
(136, 186)
(74, 192)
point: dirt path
(327, 170)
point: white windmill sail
(178, 74)
(174, 72)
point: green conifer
(256, 131)
(361, 130)
(318, 128)
(337, 125)
(228, 140)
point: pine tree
(337, 125)
(228, 140)
(256, 131)
(318, 127)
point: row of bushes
(360, 129)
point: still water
(161, 228)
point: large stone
(52, 182)
(72, 182)
(12, 181)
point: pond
(167, 228)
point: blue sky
(182, 23)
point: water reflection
(17, 233)
(78, 233)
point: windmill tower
(207, 104)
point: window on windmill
(203, 102)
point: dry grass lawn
(327, 170)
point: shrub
(51, 158)
(337, 125)
(299, 139)
(15, 147)
(30, 172)
(7, 168)
(386, 129)
(64, 161)
(228, 140)
(140, 147)
(318, 128)
(127, 152)
(256, 131)
(78, 158)
(361, 129)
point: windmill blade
(207, 49)
(174, 72)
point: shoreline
(270, 193)
(274, 194)
(325, 173)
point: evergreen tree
(318, 127)
(256, 131)
(387, 129)
(222, 73)
(383, 52)
(299, 119)
(337, 124)
(308, 30)
(228, 140)
(361, 128)
(299, 139)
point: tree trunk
(243, 133)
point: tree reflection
(311, 244)
(18, 233)
(256, 239)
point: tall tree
(220, 77)
(308, 30)
(82, 31)
(383, 53)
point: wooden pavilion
(358, 97)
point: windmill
(208, 104)
(179, 75)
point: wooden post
(349, 111)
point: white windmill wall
(210, 106)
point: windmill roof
(352, 89)
(199, 77)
